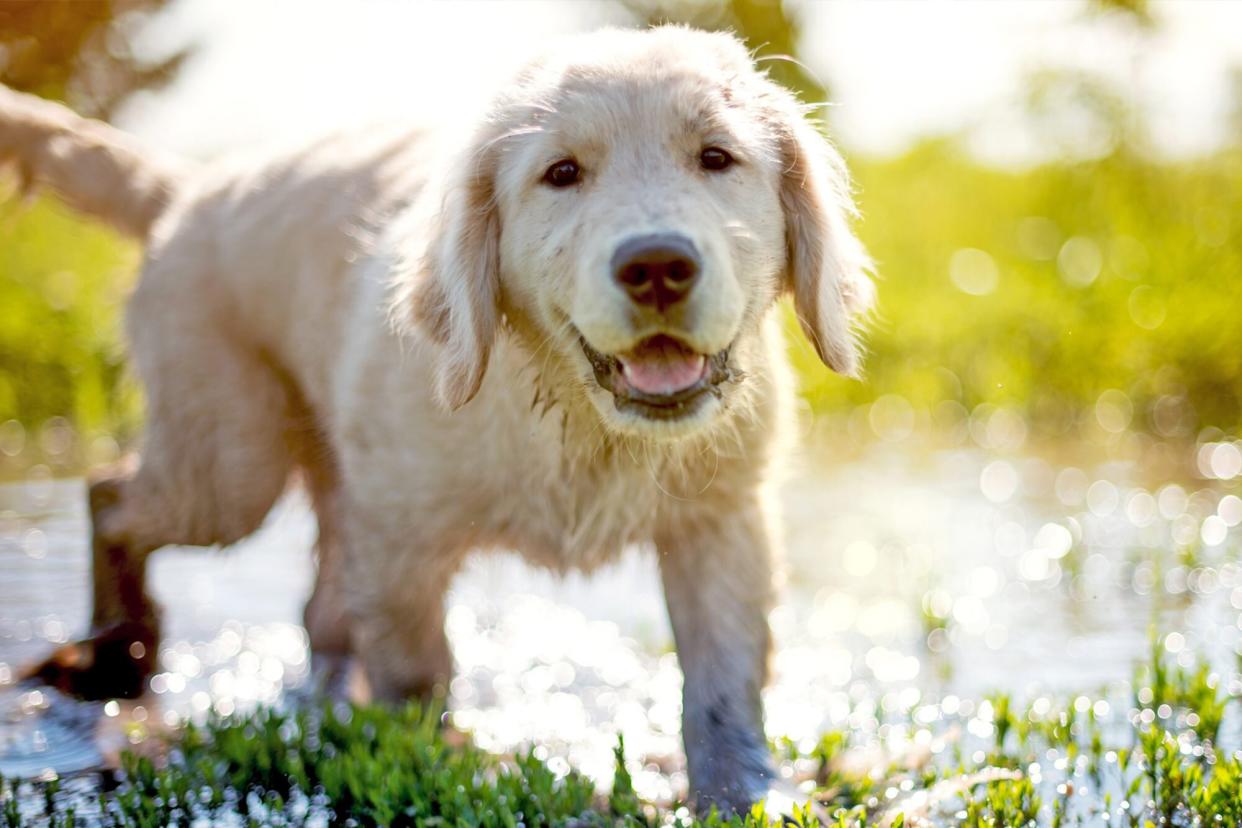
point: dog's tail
(97, 169)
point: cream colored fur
(398, 316)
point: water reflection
(914, 588)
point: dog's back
(234, 329)
(271, 246)
(265, 245)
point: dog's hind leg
(217, 456)
(121, 652)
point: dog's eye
(715, 159)
(563, 173)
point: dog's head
(633, 206)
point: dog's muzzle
(661, 378)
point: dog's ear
(455, 287)
(827, 267)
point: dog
(554, 332)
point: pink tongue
(662, 366)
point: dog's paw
(782, 802)
(791, 806)
(333, 677)
(114, 663)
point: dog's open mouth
(661, 378)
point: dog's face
(634, 206)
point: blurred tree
(770, 29)
(1081, 114)
(1138, 11)
(62, 276)
(80, 51)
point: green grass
(1155, 762)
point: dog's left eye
(715, 159)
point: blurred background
(1051, 190)
(1041, 465)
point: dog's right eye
(563, 173)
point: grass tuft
(1045, 764)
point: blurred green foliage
(1115, 273)
(1037, 290)
(62, 284)
(62, 278)
(770, 29)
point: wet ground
(914, 579)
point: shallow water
(912, 580)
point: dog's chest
(577, 516)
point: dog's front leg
(717, 567)
(394, 593)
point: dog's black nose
(656, 270)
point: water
(912, 580)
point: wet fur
(393, 320)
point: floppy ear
(456, 287)
(827, 266)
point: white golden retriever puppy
(555, 336)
